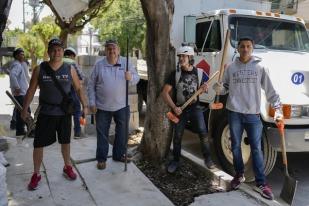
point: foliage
(11, 37)
(33, 47)
(80, 19)
(123, 18)
(45, 31)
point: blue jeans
(77, 112)
(252, 124)
(103, 122)
(196, 115)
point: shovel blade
(289, 189)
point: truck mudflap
(297, 139)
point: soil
(181, 187)
(188, 182)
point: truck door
(209, 46)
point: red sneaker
(35, 179)
(265, 191)
(69, 173)
(237, 180)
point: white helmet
(71, 49)
(186, 50)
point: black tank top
(50, 97)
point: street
(298, 168)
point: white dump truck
(283, 44)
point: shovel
(171, 116)
(290, 184)
(218, 105)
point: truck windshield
(274, 34)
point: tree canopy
(122, 19)
(80, 19)
(45, 30)
(33, 47)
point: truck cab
(282, 42)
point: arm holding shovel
(178, 110)
(166, 95)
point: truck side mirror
(189, 28)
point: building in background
(88, 42)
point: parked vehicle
(283, 44)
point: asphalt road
(298, 168)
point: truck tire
(222, 142)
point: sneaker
(101, 165)
(265, 191)
(209, 163)
(35, 179)
(173, 166)
(237, 180)
(69, 173)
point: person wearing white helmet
(185, 81)
(69, 57)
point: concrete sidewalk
(111, 186)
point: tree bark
(5, 7)
(64, 37)
(160, 63)
(80, 19)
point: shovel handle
(198, 92)
(280, 126)
(227, 37)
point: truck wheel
(222, 141)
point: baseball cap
(55, 42)
(111, 42)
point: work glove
(218, 87)
(278, 116)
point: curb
(222, 180)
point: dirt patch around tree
(188, 182)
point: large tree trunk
(5, 6)
(160, 62)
